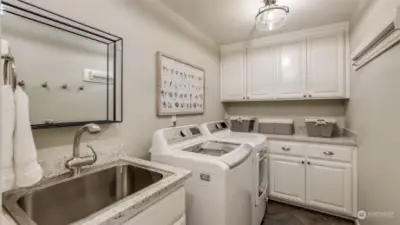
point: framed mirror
(72, 72)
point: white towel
(26, 167)
(7, 145)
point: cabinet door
(287, 178)
(261, 68)
(167, 210)
(233, 82)
(329, 185)
(291, 75)
(326, 64)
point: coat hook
(64, 86)
(45, 85)
(21, 83)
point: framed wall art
(180, 87)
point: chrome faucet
(76, 163)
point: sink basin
(66, 199)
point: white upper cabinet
(233, 75)
(326, 65)
(290, 79)
(261, 68)
(307, 64)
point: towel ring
(9, 72)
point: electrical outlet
(173, 119)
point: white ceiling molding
(175, 21)
(285, 37)
(385, 40)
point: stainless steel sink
(66, 199)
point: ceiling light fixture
(271, 16)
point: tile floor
(282, 214)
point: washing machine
(220, 189)
(220, 131)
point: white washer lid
(237, 156)
(254, 139)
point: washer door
(262, 178)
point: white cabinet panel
(261, 69)
(326, 65)
(233, 77)
(287, 178)
(329, 185)
(291, 75)
(166, 211)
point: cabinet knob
(310, 96)
(302, 162)
(248, 97)
(308, 163)
(244, 97)
(285, 149)
(305, 96)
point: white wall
(1, 119)
(143, 35)
(373, 112)
(329, 108)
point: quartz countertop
(53, 160)
(344, 140)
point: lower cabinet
(313, 180)
(329, 185)
(287, 178)
(169, 210)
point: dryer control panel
(178, 134)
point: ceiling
(228, 21)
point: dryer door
(261, 177)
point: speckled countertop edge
(349, 141)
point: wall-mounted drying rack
(113, 43)
(386, 39)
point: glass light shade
(271, 17)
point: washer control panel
(178, 134)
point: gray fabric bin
(243, 125)
(236, 126)
(320, 127)
(266, 128)
(276, 126)
(284, 129)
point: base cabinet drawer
(328, 186)
(287, 148)
(330, 152)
